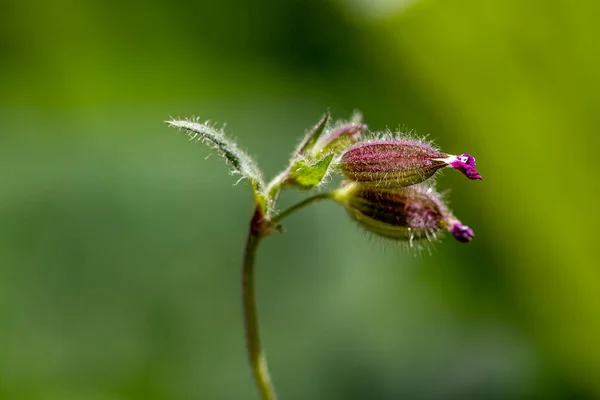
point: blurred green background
(120, 243)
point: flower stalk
(260, 227)
(256, 356)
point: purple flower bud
(339, 138)
(461, 232)
(409, 213)
(400, 162)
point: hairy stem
(259, 228)
(257, 359)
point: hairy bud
(400, 162)
(339, 137)
(409, 213)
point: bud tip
(462, 233)
(465, 163)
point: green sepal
(307, 175)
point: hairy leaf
(242, 164)
(313, 135)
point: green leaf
(313, 135)
(242, 164)
(307, 175)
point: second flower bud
(410, 213)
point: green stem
(257, 359)
(286, 213)
(259, 228)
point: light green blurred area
(120, 243)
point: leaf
(242, 164)
(313, 135)
(307, 175)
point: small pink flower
(465, 163)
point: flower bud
(400, 162)
(409, 213)
(339, 138)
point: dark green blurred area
(120, 243)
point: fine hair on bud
(399, 162)
(404, 214)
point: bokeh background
(120, 242)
